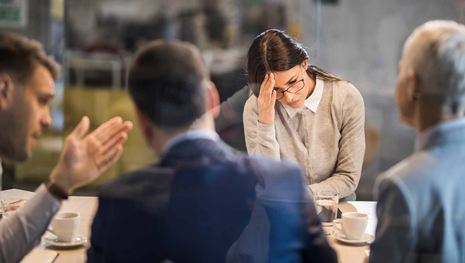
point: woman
(305, 114)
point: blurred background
(94, 40)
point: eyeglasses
(294, 88)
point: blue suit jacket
(195, 204)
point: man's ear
(213, 99)
(145, 124)
(6, 90)
(413, 86)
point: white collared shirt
(311, 102)
(23, 229)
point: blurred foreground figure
(198, 201)
(421, 207)
(27, 78)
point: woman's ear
(305, 64)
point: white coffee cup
(64, 226)
(353, 225)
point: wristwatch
(55, 190)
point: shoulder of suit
(145, 181)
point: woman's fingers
(271, 89)
(269, 86)
(263, 87)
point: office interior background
(94, 40)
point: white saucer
(78, 241)
(367, 238)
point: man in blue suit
(196, 202)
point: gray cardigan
(331, 154)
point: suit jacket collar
(445, 132)
(197, 151)
(191, 134)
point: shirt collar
(311, 102)
(444, 131)
(191, 135)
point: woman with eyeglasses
(305, 114)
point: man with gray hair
(420, 200)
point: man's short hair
(436, 52)
(20, 56)
(167, 81)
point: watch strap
(55, 190)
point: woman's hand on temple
(266, 100)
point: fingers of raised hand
(270, 85)
(81, 129)
(118, 130)
(271, 88)
(108, 158)
(267, 89)
(107, 126)
(115, 141)
(263, 87)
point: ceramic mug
(64, 226)
(353, 225)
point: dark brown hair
(167, 81)
(20, 56)
(274, 50)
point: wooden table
(87, 207)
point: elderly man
(26, 89)
(420, 200)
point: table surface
(87, 207)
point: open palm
(84, 158)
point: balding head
(436, 53)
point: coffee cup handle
(335, 223)
(50, 229)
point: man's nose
(47, 120)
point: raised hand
(266, 100)
(83, 159)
